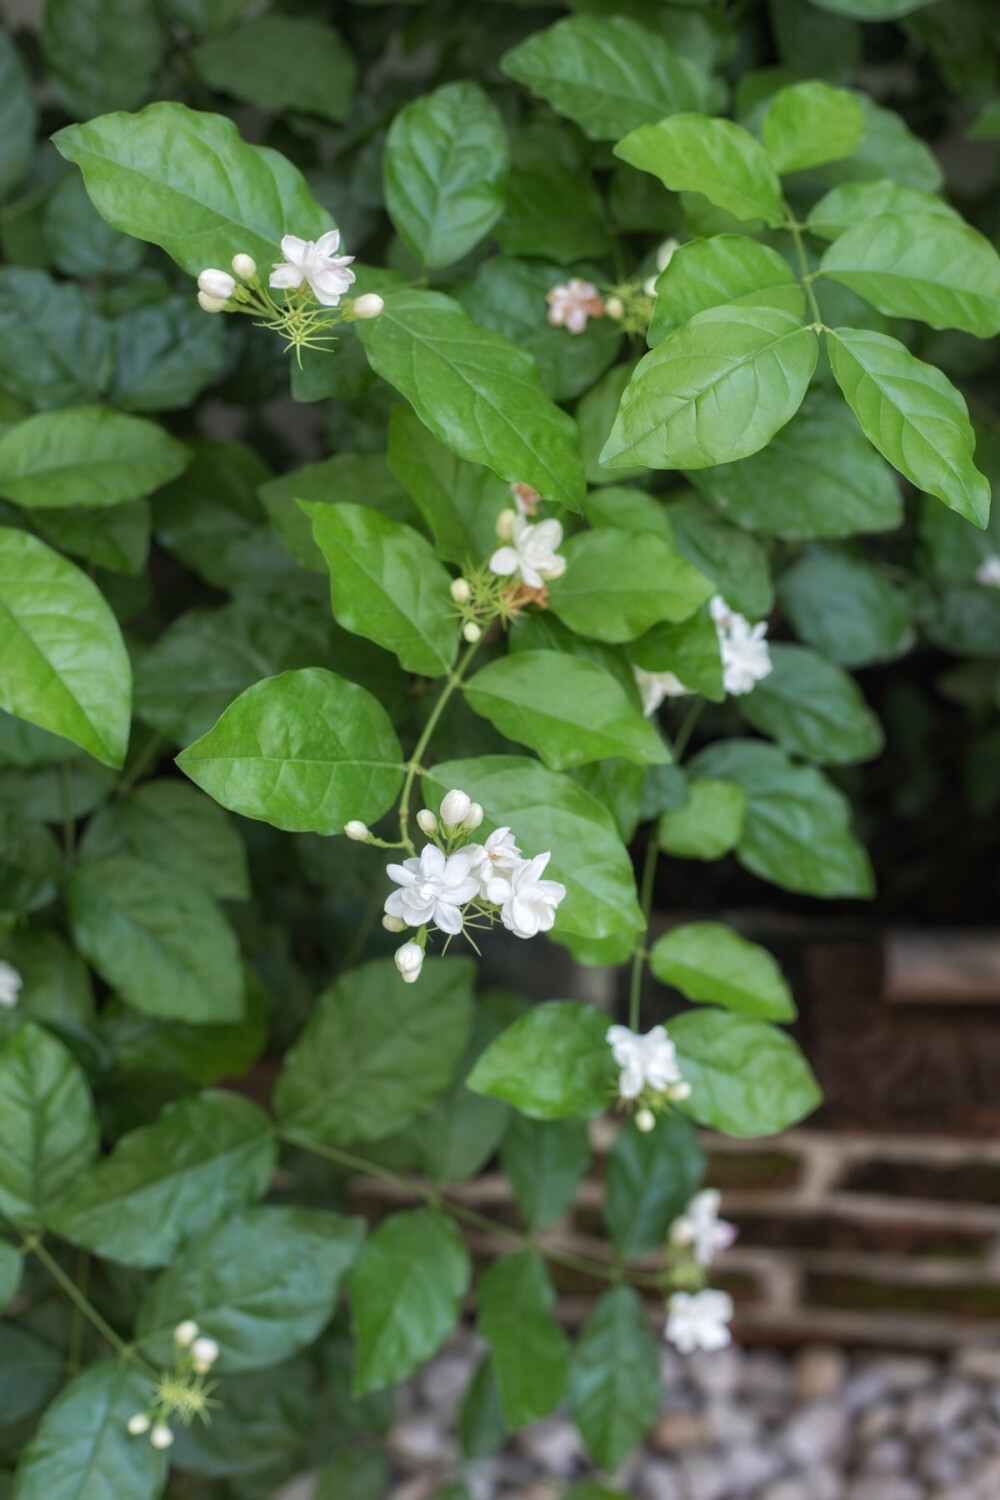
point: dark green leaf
(55, 350)
(614, 590)
(171, 825)
(614, 1378)
(481, 1427)
(47, 1123)
(651, 1177)
(813, 709)
(709, 961)
(82, 244)
(281, 62)
(18, 114)
(544, 1161)
(845, 607)
(529, 1348)
(552, 1063)
(459, 501)
(88, 456)
(30, 862)
(102, 54)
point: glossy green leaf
(49, 1126)
(387, 585)
(55, 348)
(855, 202)
(595, 415)
(871, 10)
(651, 1177)
(456, 1137)
(695, 153)
(690, 650)
(162, 944)
(372, 1057)
(914, 416)
(607, 74)
(614, 1378)
(614, 590)
(281, 63)
(165, 354)
(117, 538)
(715, 390)
(544, 1161)
(552, 1063)
(55, 980)
(30, 862)
(889, 149)
(813, 709)
(103, 54)
(205, 1054)
(570, 711)
(18, 114)
(846, 607)
(82, 1449)
(11, 1266)
(818, 477)
(529, 1348)
(82, 244)
(709, 823)
(477, 392)
(186, 181)
(168, 1182)
(747, 1078)
(363, 478)
(725, 270)
(459, 501)
(86, 455)
(709, 961)
(924, 266)
(262, 1284)
(406, 1292)
(305, 751)
(810, 123)
(445, 166)
(169, 824)
(553, 212)
(798, 825)
(65, 664)
(736, 563)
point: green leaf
(747, 1078)
(690, 650)
(360, 477)
(845, 607)
(65, 664)
(406, 1294)
(82, 1449)
(206, 1054)
(461, 1131)
(544, 1161)
(481, 1427)
(547, 810)
(725, 270)
(305, 751)
(810, 123)
(165, 355)
(48, 1124)
(595, 417)
(18, 114)
(459, 501)
(651, 1177)
(82, 244)
(736, 563)
(387, 585)
(614, 590)
(162, 944)
(551, 211)
(813, 709)
(55, 349)
(353, 1475)
(87, 455)
(281, 63)
(529, 1348)
(695, 153)
(187, 182)
(31, 1371)
(568, 710)
(476, 391)
(921, 266)
(56, 981)
(607, 74)
(963, 620)
(551, 1063)
(168, 1182)
(445, 166)
(31, 863)
(797, 832)
(914, 416)
(871, 10)
(854, 202)
(818, 477)
(102, 54)
(11, 1266)
(889, 149)
(263, 1284)
(116, 539)
(709, 961)
(370, 1060)
(259, 1432)
(614, 1378)
(715, 390)
(708, 825)
(169, 824)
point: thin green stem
(806, 280)
(454, 680)
(85, 1306)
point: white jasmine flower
(527, 902)
(316, 262)
(455, 808)
(433, 888)
(460, 591)
(746, 659)
(356, 830)
(138, 1424)
(427, 822)
(666, 253)
(655, 686)
(720, 612)
(161, 1437)
(526, 499)
(532, 553)
(701, 1227)
(10, 985)
(648, 1061)
(409, 961)
(204, 1353)
(216, 284)
(699, 1320)
(185, 1333)
(245, 266)
(572, 303)
(495, 859)
(368, 306)
(988, 572)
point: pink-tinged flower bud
(216, 283)
(208, 303)
(409, 961)
(460, 591)
(473, 818)
(161, 1437)
(505, 524)
(393, 924)
(455, 808)
(368, 306)
(245, 266)
(645, 1121)
(426, 821)
(356, 830)
(472, 632)
(138, 1424)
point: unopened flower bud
(460, 591)
(409, 961)
(185, 1333)
(393, 924)
(455, 808)
(614, 307)
(645, 1121)
(204, 1353)
(426, 821)
(245, 266)
(356, 830)
(471, 632)
(473, 818)
(216, 283)
(208, 303)
(680, 1091)
(161, 1436)
(666, 252)
(368, 306)
(505, 524)
(649, 286)
(138, 1424)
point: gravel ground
(739, 1425)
